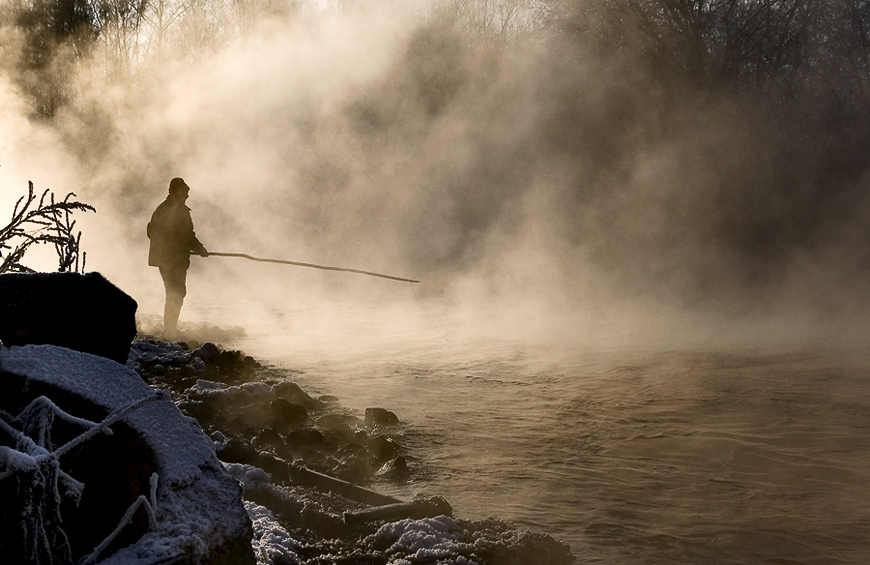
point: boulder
(288, 413)
(86, 313)
(380, 417)
(194, 507)
(238, 450)
(268, 438)
(304, 437)
(382, 448)
(291, 392)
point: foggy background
(590, 170)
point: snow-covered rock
(199, 513)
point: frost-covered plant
(33, 462)
(41, 484)
(48, 222)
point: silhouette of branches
(45, 220)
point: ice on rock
(248, 475)
(199, 512)
(159, 352)
(273, 545)
(198, 365)
(246, 392)
(204, 385)
(423, 541)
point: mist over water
(744, 455)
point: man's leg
(174, 279)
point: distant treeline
(126, 39)
(787, 48)
(795, 77)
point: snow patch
(178, 441)
(428, 540)
(273, 545)
(249, 476)
(199, 507)
(159, 352)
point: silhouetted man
(172, 241)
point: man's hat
(178, 185)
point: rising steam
(583, 167)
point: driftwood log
(303, 476)
(416, 509)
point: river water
(655, 456)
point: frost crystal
(42, 485)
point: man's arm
(193, 244)
(196, 246)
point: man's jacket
(172, 237)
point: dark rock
(500, 543)
(331, 420)
(352, 470)
(361, 438)
(339, 434)
(354, 465)
(228, 359)
(202, 411)
(268, 438)
(380, 417)
(86, 313)
(395, 470)
(209, 332)
(281, 559)
(238, 425)
(305, 437)
(350, 450)
(189, 370)
(317, 459)
(382, 448)
(398, 464)
(326, 466)
(292, 393)
(290, 413)
(239, 450)
(275, 466)
(207, 351)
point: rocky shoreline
(305, 462)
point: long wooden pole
(312, 265)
